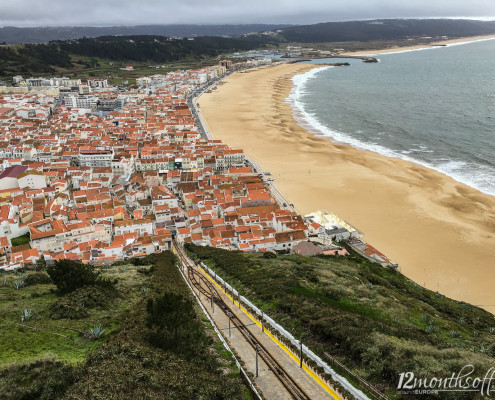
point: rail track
(205, 287)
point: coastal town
(101, 173)
(246, 200)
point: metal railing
(281, 331)
(244, 375)
(366, 384)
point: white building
(139, 226)
(95, 158)
(98, 82)
(32, 179)
(85, 102)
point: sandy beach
(441, 232)
(422, 46)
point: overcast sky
(142, 12)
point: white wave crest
(475, 175)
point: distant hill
(14, 35)
(30, 59)
(385, 29)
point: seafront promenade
(206, 133)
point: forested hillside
(387, 29)
(46, 58)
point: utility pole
(257, 351)
(230, 317)
(262, 318)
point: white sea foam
(475, 175)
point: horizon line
(484, 19)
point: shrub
(269, 254)
(174, 326)
(91, 296)
(145, 271)
(37, 278)
(491, 350)
(64, 308)
(75, 305)
(43, 380)
(70, 275)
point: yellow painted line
(280, 344)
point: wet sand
(420, 46)
(441, 232)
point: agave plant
(18, 283)
(96, 331)
(425, 318)
(454, 334)
(145, 290)
(492, 329)
(26, 315)
(475, 333)
(5, 282)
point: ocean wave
(475, 175)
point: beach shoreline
(437, 229)
(431, 45)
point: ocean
(434, 107)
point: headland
(394, 49)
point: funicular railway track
(205, 287)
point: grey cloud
(142, 12)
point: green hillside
(146, 349)
(374, 320)
(63, 56)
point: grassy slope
(85, 67)
(57, 338)
(375, 320)
(120, 365)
